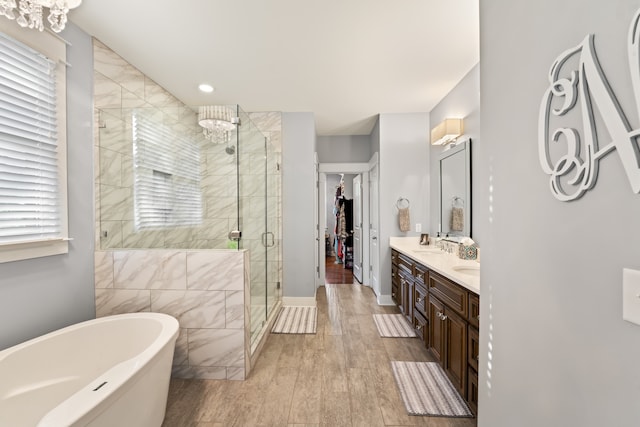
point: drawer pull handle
(478, 317)
(419, 327)
(419, 300)
(477, 358)
(442, 316)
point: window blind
(29, 176)
(167, 175)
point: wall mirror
(455, 190)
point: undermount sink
(472, 270)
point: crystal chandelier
(217, 122)
(30, 12)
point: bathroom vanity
(439, 294)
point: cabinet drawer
(421, 274)
(474, 310)
(473, 349)
(449, 293)
(422, 327)
(394, 257)
(405, 264)
(420, 299)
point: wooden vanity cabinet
(446, 317)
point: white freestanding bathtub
(111, 371)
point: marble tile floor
(340, 376)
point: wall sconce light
(447, 132)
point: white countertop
(439, 261)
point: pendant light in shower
(217, 121)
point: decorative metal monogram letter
(576, 172)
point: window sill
(37, 249)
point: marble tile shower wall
(214, 313)
(120, 88)
(207, 291)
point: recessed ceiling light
(206, 88)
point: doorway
(333, 270)
(340, 228)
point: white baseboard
(299, 301)
(385, 300)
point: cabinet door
(436, 328)
(472, 390)
(406, 298)
(420, 299)
(474, 348)
(395, 284)
(455, 350)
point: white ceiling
(344, 60)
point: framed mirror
(455, 190)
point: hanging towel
(457, 219)
(403, 219)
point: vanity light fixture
(30, 12)
(447, 132)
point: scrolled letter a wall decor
(577, 82)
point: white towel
(403, 219)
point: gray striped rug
(295, 320)
(426, 390)
(393, 326)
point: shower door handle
(265, 242)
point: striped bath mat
(426, 390)
(295, 320)
(393, 326)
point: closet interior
(342, 248)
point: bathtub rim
(166, 320)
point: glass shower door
(257, 209)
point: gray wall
(404, 158)
(554, 348)
(44, 294)
(462, 102)
(298, 218)
(344, 149)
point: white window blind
(29, 177)
(167, 175)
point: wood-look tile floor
(340, 376)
